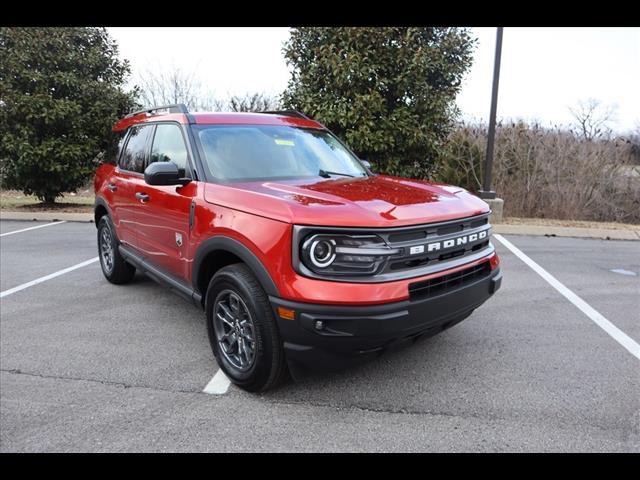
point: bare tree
(256, 102)
(633, 139)
(174, 85)
(545, 172)
(592, 118)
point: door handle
(112, 186)
(143, 197)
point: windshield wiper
(328, 173)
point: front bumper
(352, 333)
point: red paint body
(260, 215)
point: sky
(544, 71)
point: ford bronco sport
(300, 256)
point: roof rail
(175, 108)
(288, 113)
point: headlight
(336, 254)
(322, 252)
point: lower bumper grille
(438, 285)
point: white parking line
(218, 385)
(617, 334)
(47, 277)
(33, 228)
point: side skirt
(160, 276)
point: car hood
(376, 201)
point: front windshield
(259, 152)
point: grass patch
(81, 202)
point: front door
(122, 183)
(163, 211)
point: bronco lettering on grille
(454, 242)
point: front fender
(224, 243)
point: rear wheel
(242, 330)
(114, 267)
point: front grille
(436, 286)
(479, 223)
(450, 229)
(407, 237)
(425, 235)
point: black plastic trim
(192, 214)
(352, 333)
(99, 201)
(195, 152)
(222, 243)
(160, 276)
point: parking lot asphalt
(90, 366)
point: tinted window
(168, 146)
(112, 152)
(133, 156)
(250, 152)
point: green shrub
(61, 90)
(387, 91)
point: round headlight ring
(322, 252)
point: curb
(47, 216)
(575, 232)
(502, 228)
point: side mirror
(164, 173)
(366, 163)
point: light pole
(487, 192)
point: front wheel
(242, 330)
(114, 267)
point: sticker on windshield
(286, 143)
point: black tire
(267, 367)
(114, 268)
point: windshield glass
(258, 152)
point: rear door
(124, 180)
(163, 214)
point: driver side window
(169, 146)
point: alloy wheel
(235, 330)
(106, 249)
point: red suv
(300, 256)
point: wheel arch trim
(100, 202)
(223, 243)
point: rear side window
(112, 152)
(168, 146)
(132, 158)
